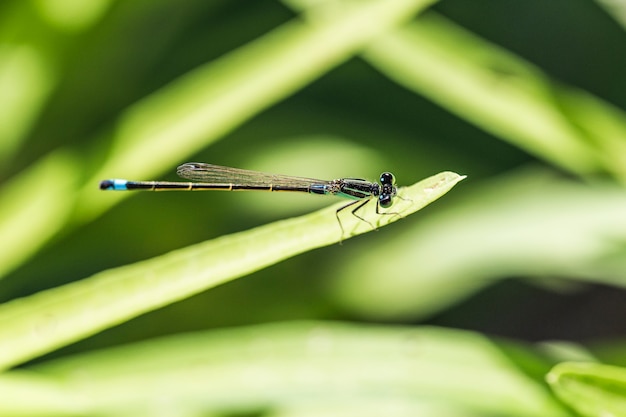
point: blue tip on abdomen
(115, 185)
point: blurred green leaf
(592, 389)
(31, 211)
(330, 366)
(30, 394)
(615, 8)
(35, 37)
(25, 81)
(72, 15)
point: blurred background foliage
(526, 98)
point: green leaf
(307, 366)
(54, 318)
(591, 389)
(31, 211)
(28, 394)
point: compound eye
(387, 178)
(384, 200)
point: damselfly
(215, 177)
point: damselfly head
(387, 178)
(385, 200)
